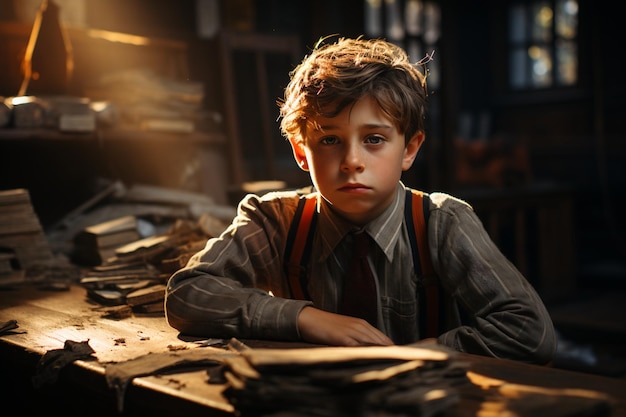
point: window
(543, 44)
(411, 24)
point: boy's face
(356, 159)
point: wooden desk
(49, 318)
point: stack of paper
(342, 381)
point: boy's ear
(411, 149)
(299, 154)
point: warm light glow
(544, 17)
(494, 409)
(435, 394)
(118, 37)
(16, 101)
(534, 52)
(483, 381)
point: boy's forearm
(219, 307)
(537, 346)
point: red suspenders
(416, 212)
(298, 247)
(300, 238)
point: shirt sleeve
(224, 290)
(506, 316)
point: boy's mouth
(354, 187)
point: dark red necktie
(359, 298)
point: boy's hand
(321, 327)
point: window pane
(542, 22)
(395, 26)
(541, 66)
(373, 18)
(566, 19)
(431, 13)
(413, 14)
(517, 24)
(415, 51)
(543, 43)
(567, 61)
(517, 68)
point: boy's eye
(374, 139)
(329, 140)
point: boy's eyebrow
(366, 125)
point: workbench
(47, 318)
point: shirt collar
(384, 230)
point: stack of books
(8, 262)
(95, 244)
(133, 284)
(22, 238)
(151, 102)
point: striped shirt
(237, 287)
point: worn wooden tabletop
(47, 319)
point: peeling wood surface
(47, 319)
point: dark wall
(573, 137)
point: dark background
(573, 138)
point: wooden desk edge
(190, 390)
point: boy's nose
(353, 160)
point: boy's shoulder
(442, 201)
(276, 201)
(288, 195)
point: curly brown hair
(336, 75)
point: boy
(353, 113)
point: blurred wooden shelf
(209, 138)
